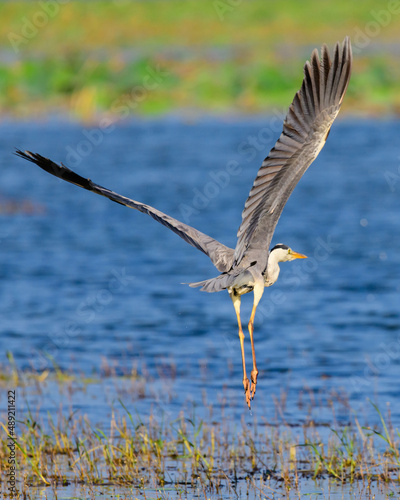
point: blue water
(97, 285)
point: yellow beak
(298, 255)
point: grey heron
(251, 266)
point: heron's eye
(289, 250)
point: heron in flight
(251, 266)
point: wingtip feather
(60, 171)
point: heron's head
(282, 253)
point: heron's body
(244, 282)
(251, 266)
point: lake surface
(99, 287)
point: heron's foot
(254, 374)
(246, 385)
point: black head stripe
(280, 245)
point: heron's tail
(221, 282)
(214, 284)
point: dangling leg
(258, 291)
(246, 384)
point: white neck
(273, 268)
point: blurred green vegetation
(125, 57)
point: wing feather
(305, 129)
(220, 255)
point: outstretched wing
(305, 130)
(220, 255)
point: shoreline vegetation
(90, 60)
(182, 454)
